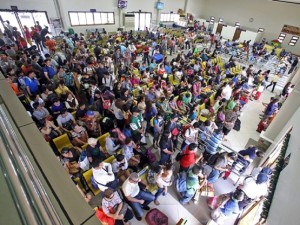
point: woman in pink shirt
(27, 35)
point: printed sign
(291, 30)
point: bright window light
(91, 18)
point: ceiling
(288, 1)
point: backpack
(213, 159)
(150, 155)
(180, 182)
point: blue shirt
(32, 84)
(213, 143)
(50, 70)
(230, 207)
(251, 152)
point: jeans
(213, 176)
(186, 197)
(164, 158)
(128, 216)
(159, 192)
(137, 207)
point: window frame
(169, 15)
(94, 24)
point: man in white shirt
(138, 199)
(191, 135)
(227, 91)
(103, 175)
(255, 188)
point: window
(142, 20)
(281, 37)
(212, 20)
(169, 17)
(221, 20)
(91, 18)
(237, 24)
(293, 41)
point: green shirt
(192, 183)
(136, 123)
(231, 105)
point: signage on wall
(291, 30)
(93, 10)
(14, 8)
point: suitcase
(156, 217)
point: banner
(291, 30)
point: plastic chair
(88, 176)
(62, 141)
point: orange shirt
(51, 44)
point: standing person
(138, 199)
(136, 125)
(49, 72)
(294, 64)
(191, 135)
(103, 175)
(172, 128)
(37, 38)
(51, 44)
(146, 50)
(274, 81)
(43, 34)
(166, 149)
(163, 181)
(193, 184)
(272, 107)
(220, 165)
(230, 117)
(189, 157)
(158, 122)
(113, 206)
(31, 82)
(228, 207)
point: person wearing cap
(189, 157)
(65, 120)
(247, 156)
(103, 175)
(138, 199)
(114, 207)
(94, 150)
(255, 188)
(195, 180)
(136, 125)
(92, 125)
(228, 207)
(172, 128)
(220, 165)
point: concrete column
(295, 76)
(185, 6)
(290, 106)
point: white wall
(247, 36)
(285, 205)
(266, 14)
(195, 7)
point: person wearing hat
(92, 125)
(94, 150)
(255, 188)
(228, 207)
(114, 207)
(172, 127)
(136, 125)
(138, 199)
(220, 165)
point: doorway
(142, 20)
(237, 34)
(219, 28)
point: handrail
(30, 197)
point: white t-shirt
(226, 93)
(130, 189)
(253, 190)
(103, 176)
(190, 133)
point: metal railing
(29, 196)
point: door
(219, 28)
(142, 20)
(237, 34)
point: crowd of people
(85, 89)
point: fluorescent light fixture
(221, 20)
(237, 24)
(260, 30)
(293, 41)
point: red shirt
(188, 159)
(146, 49)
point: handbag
(207, 191)
(175, 131)
(103, 218)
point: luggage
(156, 217)
(158, 58)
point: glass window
(169, 17)
(104, 18)
(74, 19)
(89, 18)
(82, 18)
(97, 18)
(42, 18)
(111, 18)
